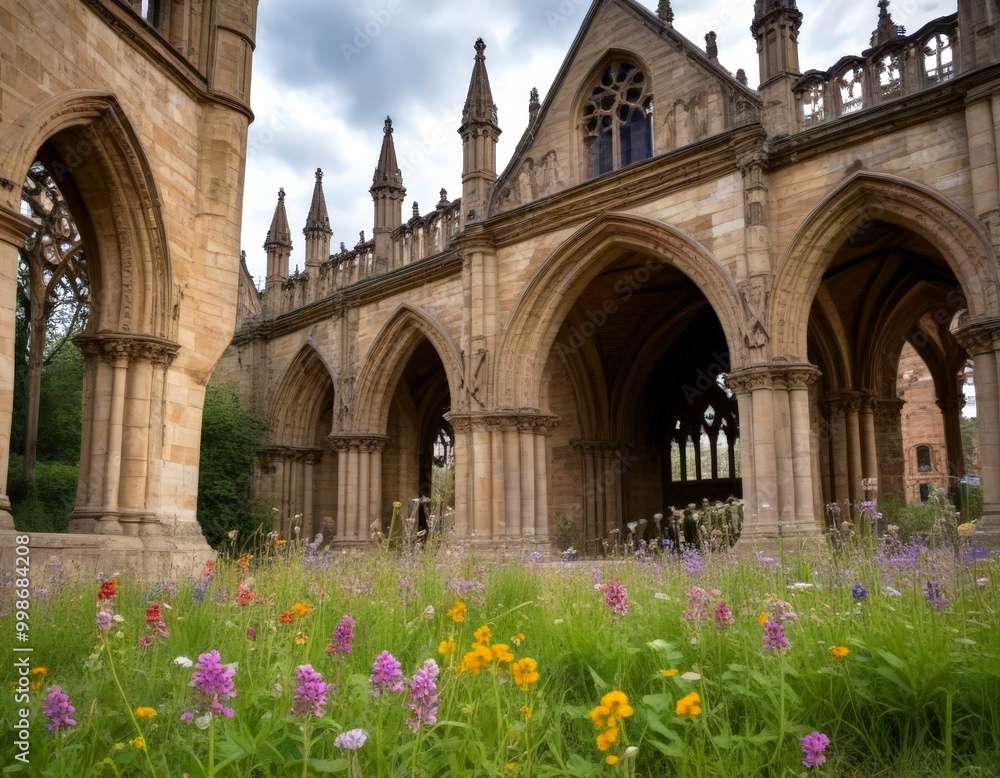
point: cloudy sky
(327, 72)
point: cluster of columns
(359, 484)
(849, 421)
(501, 478)
(293, 476)
(778, 457)
(122, 441)
(603, 464)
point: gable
(693, 98)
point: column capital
(978, 336)
(783, 375)
(523, 420)
(290, 454)
(950, 404)
(113, 347)
(365, 444)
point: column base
(988, 530)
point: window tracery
(938, 64)
(618, 120)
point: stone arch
(298, 402)
(863, 198)
(90, 144)
(386, 359)
(545, 301)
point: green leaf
(328, 765)
(598, 681)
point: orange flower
(287, 617)
(616, 703)
(517, 639)
(526, 710)
(447, 646)
(764, 616)
(606, 739)
(483, 635)
(476, 659)
(301, 609)
(689, 705)
(611, 759)
(245, 561)
(457, 612)
(301, 638)
(669, 673)
(525, 672)
(840, 651)
(501, 652)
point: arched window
(924, 464)
(937, 59)
(618, 120)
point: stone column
(512, 480)
(951, 414)
(359, 483)
(807, 514)
(541, 530)
(868, 438)
(889, 432)
(981, 339)
(852, 419)
(14, 230)
(754, 390)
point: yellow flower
(501, 652)
(137, 743)
(457, 612)
(599, 715)
(611, 759)
(605, 739)
(483, 635)
(145, 712)
(764, 616)
(301, 609)
(397, 504)
(526, 710)
(525, 672)
(966, 529)
(301, 638)
(669, 673)
(39, 671)
(689, 705)
(280, 542)
(616, 703)
(518, 639)
(476, 659)
(511, 767)
(39, 681)
(840, 651)
(447, 646)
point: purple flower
(310, 696)
(616, 597)
(813, 747)
(387, 675)
(343, 634)
(723, 616)
(187, 716)
(423, 695)
(351, 740)
(104, 621)
(215, 682)
(934, 595)
(57, 708)
(774, 637)
(697, 604)
(692, 561)
(859, 592)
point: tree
(231, 437)
(53, 291)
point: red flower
(153, 615)
(287, 617)
(108, 590)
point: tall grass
(917, 693)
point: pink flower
(310, 696)
(723, 616)
(423, 695)
(387, 675)
(814, 746)
(616, 597)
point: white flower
(429, 612)
(558, 621)
(630, 752)
(660, 596)
(691, 676)
(801, 585)
(183, 661)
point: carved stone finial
(711, 47)
(319, 174)
(444, 197)
(281, 195)
(665, 12)
(533, 105)
(741, 76)
(388, 126)
(480, 47)
(416, 210)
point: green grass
(918, 694)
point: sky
(326, 73)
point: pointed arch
(545, 301)
(90, 147)
(862, 199)
(304, 394)
(386, 359)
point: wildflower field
(302, 660)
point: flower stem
(306, 742)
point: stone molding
(14, 227)
(365, 444)
(950, 404)
(310, 456)
(115, 347)
(773, 376)
(978, 337)
(502, 421)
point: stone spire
(479, 107)
(388, 194)
(317, 229)
(665, 12)
(479, 131)
(278, 244)
(887, 30)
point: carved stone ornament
(113, 347)
(755, 292)
(365, 444)
(503, 421)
